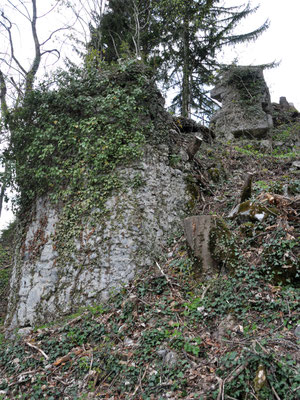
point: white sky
(279, 43)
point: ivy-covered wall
(99, 193)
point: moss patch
(222, 245)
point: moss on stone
(247, 229)
(222, 245)
(193, 191)
(255, 210)
(214, 174)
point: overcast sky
(279, 43)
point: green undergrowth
(162, 334)
(286, 132)
(6, 253)
(283, 143)
(231, 161)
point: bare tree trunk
(3, 91)
(4, 111)
(185, 111)
(137, 36)
(10, 60)
(2, 192)
(30, 76)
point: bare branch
(12, 67)
(8, 29)
(54, 32)
(49, 11)
(17, 87)
(52, 51)
(85, 12)
(136, 39)
(114, 43)
(19, 11)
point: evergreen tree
(194, 32)
(186, 36)
(128, 27)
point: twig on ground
(256, 398)
(140, 383)
(91, 363)
(275, 393)
(262, 347)
(38, 349)
(164, 274)
(75, 319)
(236, 373)
(221, 389)
(296, 389)
(205, 291)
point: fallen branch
(75, 319)
(221, 388)
(205, 291)
(275, 393)
(76, 351)
(38, 349)
(236, 373)
(222, 382)
(140, 383)
(164, 274)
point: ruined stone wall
(246, 104)
(52, 278)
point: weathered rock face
(246, 105)
(52, 278)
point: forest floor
(169, 334)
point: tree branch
(53, 33)
(49, 11)
(19, 11)
(8, 29)
(37, 59)
(52, 51)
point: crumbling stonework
(49, 280)
(246, 105)
(284, 112)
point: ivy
(70, 139)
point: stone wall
(106, 253)
(246, 104)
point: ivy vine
(69, 138)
